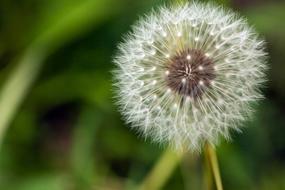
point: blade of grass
(83, 163)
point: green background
(61, 129)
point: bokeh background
(60, 129)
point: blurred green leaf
(82, 153)
(64, 27)
(268, 19)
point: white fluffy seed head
(206, 70)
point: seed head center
(190, 73)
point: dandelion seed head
(187, 74)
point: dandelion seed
(179, 34)
(168, 90)
(204, 86)
(167, 72)
(153, 68)
(154, 82)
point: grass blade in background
(62, 28)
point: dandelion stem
(211, 156)
(208, 179)
(161, 171)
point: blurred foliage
(67, 133)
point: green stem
(161, 171)
(208, 179)
(214, 165)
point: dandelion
(188, 74)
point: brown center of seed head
(190, 72)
